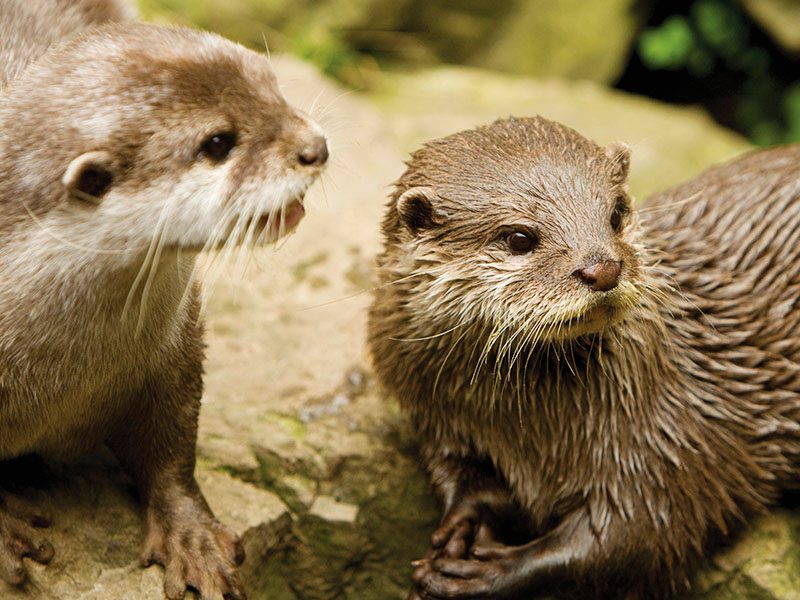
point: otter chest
(67, 367)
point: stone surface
(780, 18)
(298, 449)
(669, 143)
(571, 39)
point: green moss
(300, 270)
(291, 425)
(286, 481)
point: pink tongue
(291, 217)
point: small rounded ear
(417, 211)
(619, 153)
(89, 176)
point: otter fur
(28, 28)
(126, 149)
(601, 393)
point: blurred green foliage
(306, 28)
(714, 34)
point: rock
(97, 532)
(669, 143)
(570, 39)
(763, 564)
(780, 18)
(329, 31)
(289, 382)
(331, 509)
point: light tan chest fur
(72, 355)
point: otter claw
(197, 553)
(19, 539)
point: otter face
(163, 137)
(524, 226)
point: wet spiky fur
(660, 432)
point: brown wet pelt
(600, 404)
(126, 149)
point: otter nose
(601, 276)
(315, 153)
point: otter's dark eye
(520, 242)
(218, 146)
(618, 215)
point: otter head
(136, 135)
(523, 225)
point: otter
(125, 150)
(601, 393)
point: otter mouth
(260, 229)
(592, 320)
(271, 226)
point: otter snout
(601, 276)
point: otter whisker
(326, 110)
(429, 337)
(266, 45)
(671, 205)
(222, 257)
(373, 289)
(65, 241)
(155, 264)
(314, 105)
(444, 362)
(146, 261)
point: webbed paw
(196, 551)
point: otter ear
(417, 211)
(619, 153)
(89, 176)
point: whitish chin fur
(590, 314)
(251, 221)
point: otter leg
(474, 496)
(476, 503)
(500, 571)
(20, 538)
(157, 444)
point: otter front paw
(493, 572)
(196, 551)
(20, 539)
(456, 532)
(462, 527)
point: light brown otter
(600, 394)
(124, 152)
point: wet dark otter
(123, 153)
(600, 394)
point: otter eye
(618, 215)
(218, 146)
(520, 242)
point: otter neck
(58, 277)
(624, 370)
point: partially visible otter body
(125, 151)
(29, 27)
(599, 394)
